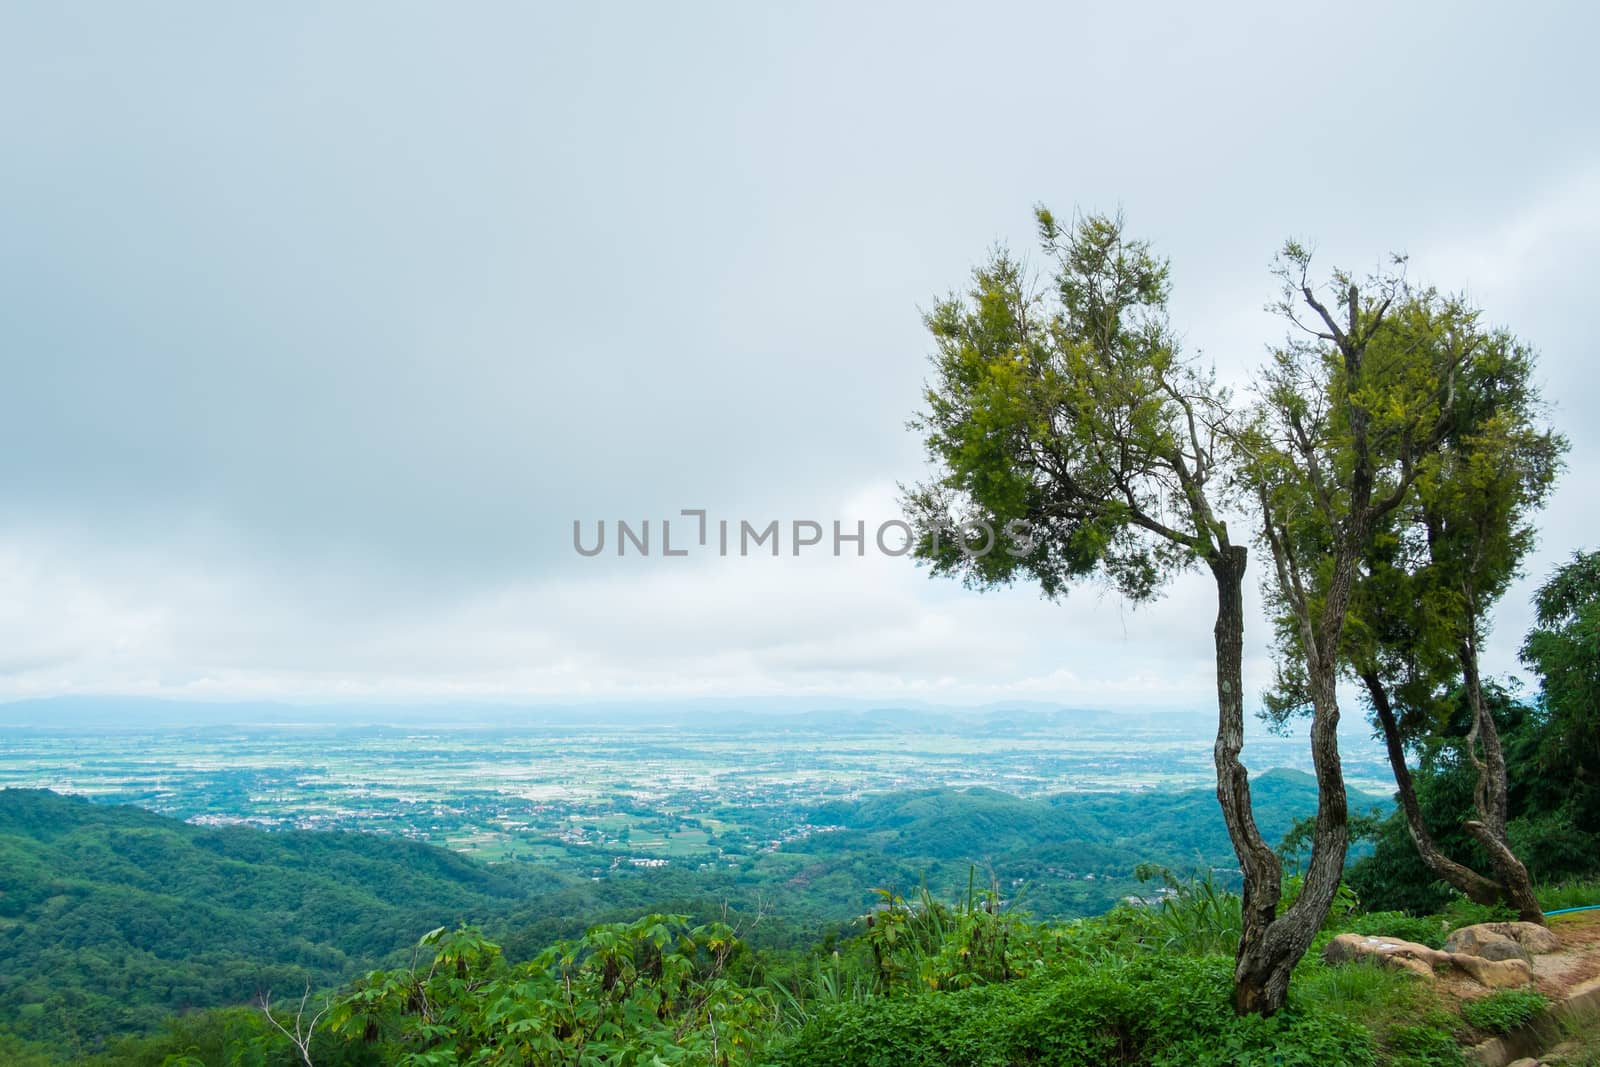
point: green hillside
(1070, 854)
(1101, 829)
(112, 916)
(109, 912)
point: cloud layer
(320, 328)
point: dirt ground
(1558, 975)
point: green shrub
(1161, 1010)
(1423, 1045)
(1463, 912)
(1503, 1012)
(1195, 916)
(829, 982)
(927, 944)
(654, 991)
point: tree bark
(1288, 937)
(1477, 888)
(1490, 791)
(1262, 872)
(1519, 887)
(1269, 946)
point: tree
(1349, 407)
(1436, 562)
(1541, 805)
(304, 1029)
(1072, 440)
(1564, 649)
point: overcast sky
(321, 324)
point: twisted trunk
(1477, 888)
(1489, 829)
(1255, 985)
(1269, 944)
(1288, 937)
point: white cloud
(817, 625)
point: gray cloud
(320, 327)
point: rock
(1387, 951)
(1526, 1061)
(1485, 942)
(1531, 938)
(1495, 974)
(1421, 960)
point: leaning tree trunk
(1489, 829)
(1477, 888)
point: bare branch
(304, 1029)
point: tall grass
(1570, 894)
(1194, 917)
(979, 939)
(1361, 991)
(926, 944)
(831, 983)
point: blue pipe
(1564, 911)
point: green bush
(1191, 915)
(975, 941)
(652, 992)
(1503, 1012)
(1463, 912)
(1161, 1010)
(1423, 1045)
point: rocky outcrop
(1502, 941)
(1388, 951)
(1486, 944)
(1494, 974)
(1421, 960)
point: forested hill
(1101, 828)
(113, 916)
(107, 911)
(1073, 852)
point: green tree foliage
(1072, 439)
(1061, 424)
(1543, 824)
(1563, 649)
(1350, 407)
(651, 992)
(1439, 557)
(111, 917)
